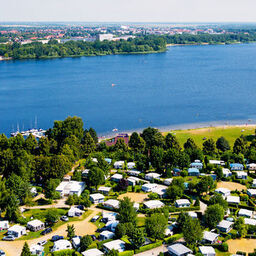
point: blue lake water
(185, 85)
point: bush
(65, 253)
(126, 253)
(173, 238)
(148, 247)
(223, 247)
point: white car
(2, 253)
(64, 218)
(42, 243)
(9, 238)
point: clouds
(129, 10)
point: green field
(231, 133)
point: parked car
(46, 231)
(56, 238)
(42, 243)
(2, 253)
(95, 218)
(64, 218)
(80, 207)
(9, 238)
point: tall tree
(94, 135)
(127, 212)
(222, 144)
(190, 144)
(96, 177)
(240, 146)
(209, 147)
(89, 145)
(157, 158)
(25, 250)
(70, 231)
(172, 142)
(85, 242)
(156, 225)
(192, 231)
(205, 185)
(152, 137)
(138, 238)
(136, 142)
(213, 215)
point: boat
(115, 130)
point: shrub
(148, 247)
(223, 247)
(126, 253)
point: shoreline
(185, 127)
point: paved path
(155, 251)
(14, 248)
(203, 207)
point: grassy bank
(231, 133)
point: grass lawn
(231, 133)
(141, 221)
(32, 235)
(219, 253)
(41, 213)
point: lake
(185, 85)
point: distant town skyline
(180, 11)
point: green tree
(205, 185)
(30, 144)
(94, 135)
(136, 142)
(52, 216)
(70, 231)
(85, 242)
(190, 144)
(219, 173)
(50, 187)
(138, 238)
(89, 145)
(127, 212)
(12, 207)
(192, 231)
(172, 142)
(112, 253)
(156, 157)
(95, 177)
(120, 230)
(25, 250)
(222, 144)
(218, 199)
(63, 129)
(240, 146)
(241, 227)
(209, 147)
(156, 225)
(121, 145)
(213, 215)
(152, 137)
(174, 192)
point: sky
(128, 10)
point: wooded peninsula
(139, 45)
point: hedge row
(173, 238)
(126, 253)
(185, 209)
(148, 247)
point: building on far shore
(122, 136)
